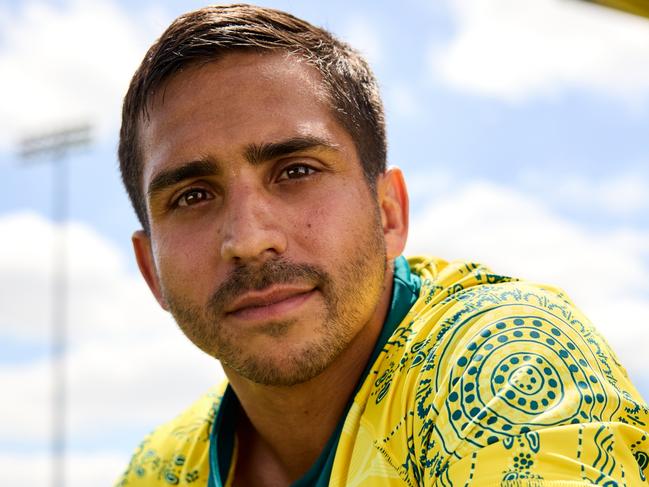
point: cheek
(182, 260)
(316, 225)
(333, 228)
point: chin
(286, 366)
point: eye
(296, 171)
(193, 196)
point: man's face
(266, 242)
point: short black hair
(209, 33)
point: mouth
(271, 303)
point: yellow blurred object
(637, 7)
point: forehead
(242, 72)
(223, 106)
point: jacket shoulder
(483, 359)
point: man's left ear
(393, 204)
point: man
(253, 150)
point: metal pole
(57, 145)
(59, 320)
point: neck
(290, 426)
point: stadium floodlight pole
(55, 146)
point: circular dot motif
(515, 369)
(524, 380)
(529, 383)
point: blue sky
(521, 127)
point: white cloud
(63, 65)
(82, 470)
(120, 385)
(514, 50)
(128, 365)
(96, 276)
(604, 273)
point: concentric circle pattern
(520, 373)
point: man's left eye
(296, 172)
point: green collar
(405, 292)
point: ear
(393, 204)
(144, 258)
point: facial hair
(347, 297)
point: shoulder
(471, 323)
(176, 453)
(481, 358)
(465, 306)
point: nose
(252, 229)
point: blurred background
(521, 127)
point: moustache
(256, 278)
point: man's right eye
(192, 197)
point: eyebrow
(171, 177)
(259, 153)
(255, 154)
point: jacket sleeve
(521, 390)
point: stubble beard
(347, 300)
